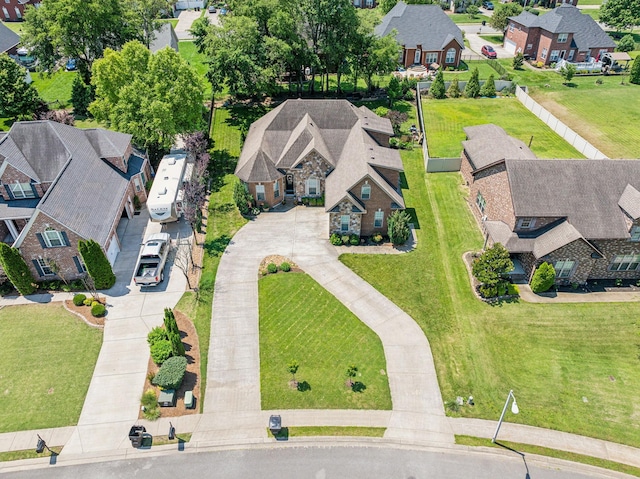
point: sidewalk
(577, 297)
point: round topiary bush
(272, 268)
(161, 351)
(335, 239)
(171, 373)
(286, 267)
(354, 240)
(98, 310)
(78, 299)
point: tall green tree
(80, 29)
(472, 88)
(454, 88)
(16, 269)
(146, 14)
(437, 89)
(489, 87)
(199, 30)
(568, 71)
(394, 90)
(620, 14)
(500, 18)
(98, 266)
(81, 96)
(491, 268)
(634, 75)
(19, 99)
(152, 97)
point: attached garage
(114, 249)
(510, 46)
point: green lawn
(464, 18)
(552, 356)
(589, 2)
(300, 320)
(172, 21)
(189, 52)
(484, 70)
(55, 89)
(47, 356)
(495, 39)
(444, 120)
(350, 431)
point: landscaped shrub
(170, 322)
(377, 238)
(241, 197)
(286, 267)
(161, 351)
(345, 239)
(176, 344)
(398, 227)
(381, 111)
(171, 373)
(98, 310)
(634, 76)
(78, 299)
(454, 88)
(518, 61)
(437, 89)
(88, 301)
(543, 278)
(472, 88)
(272, 268)
(16, 269)
(97, 264)
(354, 240)
(626, 44)
(489, 88)
(156, 334)
(335, 239)
(491, 269)
(149, 399)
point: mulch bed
(85, 312)
(277, 260)
(191, 380)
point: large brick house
(582, 216)
(60, 184)
(425, 33)
(563, 33)
(330, 149)
(13, 10)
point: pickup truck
(153, 257)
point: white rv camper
(164, 202)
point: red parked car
(488, 51)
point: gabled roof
(8, 38)
(630, 202)
(489, 144)
(585, 192)
(566, 18)
(425, 25)
(165, 36)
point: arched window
(451, 56)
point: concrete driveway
(476, 42)
(187, 17)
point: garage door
(510, 46)
(114, 249)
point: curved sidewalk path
(232, 400)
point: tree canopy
(19, 99)
(153, 97)
(620, 14)
(500, 18)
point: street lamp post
(514, 410)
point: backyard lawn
(47, 356)
(189, 52)
(572, 366)
(463, 18)
(300, 320)
(444, 120)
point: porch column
(12, 229)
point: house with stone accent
(426, 35)
(582, 216)
(60, 184)
(327, 149)
(564, 33)
(13, 10)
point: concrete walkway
(578, 296)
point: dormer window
(365, 192)
(526, 223)
(562, 37)
(21, 190)
(635, 234)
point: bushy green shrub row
(161, 351)
(338, 240)
(16, 269)
(171, 373)
(97, 264)
(78, 299)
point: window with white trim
(564, 269)
(21, 190)
(53, 238)
(635, 234)
(344, 223)
(260, 192)
(529, 46)
(431, 57)
(44, 266)
(365, 192)
(511, 27)
(543, 55)
(571, 53)
(313, 186)
(627, 262)
(378, 219)
(451, 56)
(480, 202)
(562, 37)
(276, 189)
(554, 55)
(526, 223)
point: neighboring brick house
(13, 10)
(9, 40)
(60, 184)
(563, 33)
(425, 33)
(330, 149)
(583, 216)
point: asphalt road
(312, 462)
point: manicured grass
(484, 71)
(545, 451)
(28, 454)
(495, 39)
(463, 18)
(444, 120)
(172, 21)
(592, 12)
(551, 355)
(55, 89)
(590, 2)
(47, 356)
(328, 431)
(189, 52)
(300, 320)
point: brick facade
(493, 184)
(269, 191)
(409, 55)
(13, 10)
(378, 201)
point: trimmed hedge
(98, 310)
(286, 267)
(272, 268)
(16, 269)
(543, 278)
(161, 351)
(97, 264)
(336, 239)
(171, 373)
(78, 299)
(156, 334)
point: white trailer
(164, 202)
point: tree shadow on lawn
(358, 387)
(217, 246)
(304, 386)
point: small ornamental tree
(394, 90)
(161, 351)
(170, 322)
(16, 269)
(634, 76)
(626, 44)
(568, 71)
(18, 98)
(489, 88)
(437, 89)
(454, 88)
(241, 197)
(398, 227)
(491, 268)
(292, 367)
(352, 372)
(81, 96)
(518, 61)
(177, 348)
(472, 88)
(98, 266)
(171, 373)
(472, 11)
(397, 118)
(543, 278)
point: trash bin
(484, 22)
(135, 435)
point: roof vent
(172, 160)
(163, 191)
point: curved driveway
(232, 401)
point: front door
(289, 185)
(417, 57)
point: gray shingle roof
(165, 36)
(566, 18)
(555, 238)
(8, 38)
(630, 202)
(488, 144)
(586, 192)
(425, 25)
